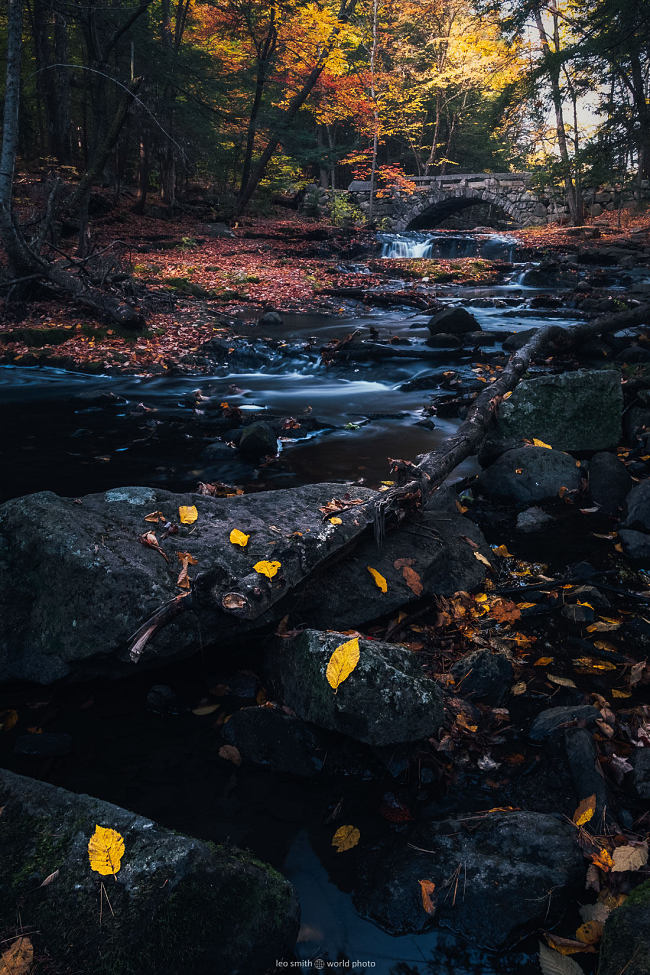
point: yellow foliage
(380, 582)
(187, 514)
(268, 569)
(105, 851)
(345, 838)
(342, 662)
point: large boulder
(529, 474)
(78, 581)
(385, 700)
(497, 878)
(176, 903)
(626, 939)
(484, 676)
(572, 411)
(453, 321)
(638, 507)
(609, 482)
(258, 440)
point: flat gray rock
(553, 719)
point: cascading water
(417, 244)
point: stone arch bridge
(435, 198)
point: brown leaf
(427, 890)
(230, 754)
(186, 560)
(149, 539)
(18, 957)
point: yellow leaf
(8, 719)
(617, 693)
(187, 514)
(508, 394)
(105, 851)
(380, 582)
(562, 681)
(427, 889)
(239, 538)
(502, 550)
(543, 661)
(342, 662)
(585, 811)
(590, 932)
(519, 688)
(345, 838)
(540, 443)
(481, 558)
(336, 521)
(526, 605)
(268, 569)
(602, 859)
(588, 605)
(18, 958)
(481, 597)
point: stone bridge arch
(436, 197)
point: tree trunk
(345, 11)
(19, 263)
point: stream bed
(75, 434)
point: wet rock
(258, 440)
(572, 411)
(532, 520)
(554, 719)
(435, 548)
(637, 422)
(641, 764)
(78, 581)
(481, 338)
(271, 318)
(626, 939)
(609, 482)
(588, 778)
(529, 474)
(635, 544)
(453, 321)
(385, 700)
(638, 507)
(517, 873)
(177, 904)
(517, 340)
(484, 676)
(46, 745)
(267, 736)
(578, 614)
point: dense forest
(324, 487)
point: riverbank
(193, 278)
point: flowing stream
(74, 434)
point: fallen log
(251, 596)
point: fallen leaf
(543, 661)
(585, 811)
(186, 560)
(503, 552)
(268, 569)
(566, 946)
(155, 516)
(230, 754)
(551, 963)
(590, 932)
(540, 443)
(630, 858)
(619, 694)
(149, 539)
(187, 514)
(204, 709)
(336, 521)
(50, 879)
(8, 719)
(380, 582)
(105, 851)
(239, 538)
(18, 958)
(427, 890)
(345, 838)
(342, 662)
(412, 580)
(603, 860)
(518, 689)
(481, 558)
(561, 681)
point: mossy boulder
(626, 938)
(526, 475)
(177, 904)
(386, 700)
(579, 411)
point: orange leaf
(427, 889)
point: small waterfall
(415, 244)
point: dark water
(75, 434)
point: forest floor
(189, 283)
